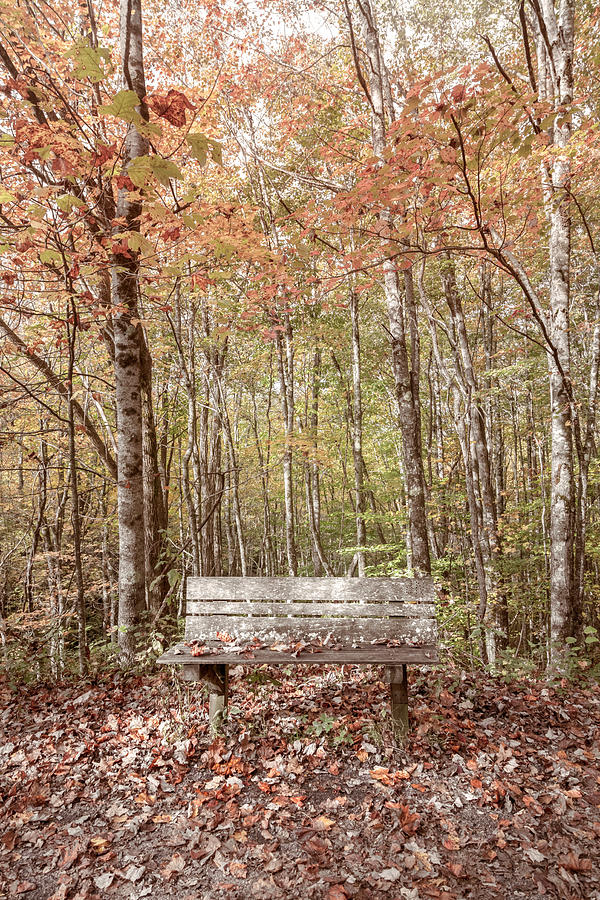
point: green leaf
(165, 169)
(173, 577)
(123, 106)
(201, 146)
(68, 201)
(90, 62)
(143, 168)
(137, 241)
(50, 257)
(140, 170)
(5, 196)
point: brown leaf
(451, 843)
(69, 856)
(8, 839)
(337, 892)
(100, 844)
(175, 865)
(238, 869)
(457, 869)
(573, 863)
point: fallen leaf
(451, 843)
(175, 865)
(573, 863)
(322, 823)
(104, 881)
(389, 874)
(99, 844)
(337, 892)
(238, 869)
(457, 869)
(534, 855)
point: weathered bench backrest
(354, 611)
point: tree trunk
(555, 46)
(405, 376)
(128, 349)
(285, 358)
(357, 435)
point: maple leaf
(121, 248)
(102, 154)
(170, 106)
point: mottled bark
(128, 340)
(555, 48)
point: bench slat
(303, 588)
(362, 656)
(413, 610)
(344, 631)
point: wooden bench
(293, 621)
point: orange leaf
(322, 823)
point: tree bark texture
(128, 340)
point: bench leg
(398, 679)
(218, 698)
(191, 672)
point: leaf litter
(117, 789)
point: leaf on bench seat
(292, 648)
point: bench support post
(219, 695)
(218, 678)
(398, 680)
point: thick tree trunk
(128, 363)
(555, 46)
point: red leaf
(170, 106)
(103, 153)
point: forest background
(299, 289)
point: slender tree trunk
(357, 437)
(582, 512)
(555, 50)
(480, 466)
(82, 647)
(155, 505)
(285, 357)
(405, 376)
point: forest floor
(116, 790)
